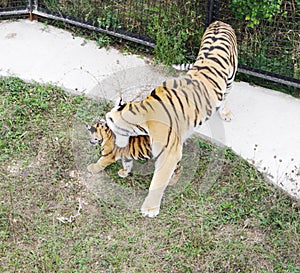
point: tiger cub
(171, 112)
(139, 147)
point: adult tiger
(172, 110)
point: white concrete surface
(266, 123)
(265, 130)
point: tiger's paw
(225, 114)
(122, 173)
(151, 205)
(149, 211)
(93, 168)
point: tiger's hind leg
(101, 164)
(127, 166)
(224, 112)
(165, 166)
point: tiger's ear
(120, 104)
(101, 120)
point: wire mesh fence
(11, 7)
(268, 37)
(268, 31)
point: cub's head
(125, 120)
(98, 132)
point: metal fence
(269, 40)
(14, 7)
(268, 31)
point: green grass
(239, 223)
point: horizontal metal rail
(269, 76)
(90, 27)
(14, 12)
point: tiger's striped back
(217, 58)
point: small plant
(103, 40)
(170, 39)
(108, 21)
(175, 32)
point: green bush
(253, 11)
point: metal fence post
(212, 11)
(32, 4)
(209, 5)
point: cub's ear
(90, 128)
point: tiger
(172, 111)
(139, 148)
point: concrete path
(266, 124)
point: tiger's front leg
(165, 166)
(101, 164)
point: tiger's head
(98, 132)
(125, 120)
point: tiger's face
(97, 132)
(123, 121)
